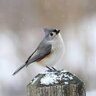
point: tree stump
(57, 83)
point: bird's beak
(57, 31)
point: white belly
(56, 53)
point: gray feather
(42, 51)
(19, 69)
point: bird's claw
(51, 69)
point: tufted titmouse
(49, 50)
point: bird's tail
(19, 69)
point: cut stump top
(57, 83)
(55, 78)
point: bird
(48, 52)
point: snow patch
(55, 77)
(49, 79)
(66, 83)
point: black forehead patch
(48, 31)
(56, 31)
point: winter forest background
(21, 30)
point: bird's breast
(50, 59)
(55, 54)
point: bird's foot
(51, 69)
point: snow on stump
(58, 83)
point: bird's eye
(52, 34)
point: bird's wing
(39, 53)
(30, 56)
